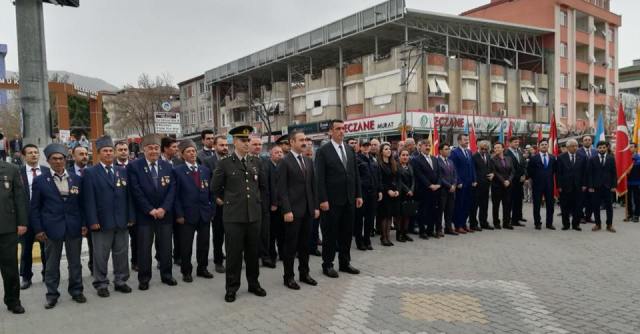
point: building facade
(196, 107)
(581, 54)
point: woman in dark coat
(389, 206)
(406, 185)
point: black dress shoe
(187, 278)
(315, 252)
(350, 270)
(143, 286)
(577, 228)
(170, 281)
(517, 224)
(123, 288)
(103, 292)
(291, 284)
(487, 227)
(230, 297)
(268, 263)
(450, 232)
(369, 247)
(423, 236)
(80, 299)
(204, 273)
(16, 309)
(259, 291)
(508, 227)
(330, 272)
(538, 227)
(25, 284)
(522, 220)
(361, 247)
(408, 238)
(550, 227)
(220, 269)
(50, 304)
(308, 280)
(134, 267)
(565, 228)
(177, 262)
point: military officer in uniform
(153, 188)
(13, 223)
(236, 183)
(108, 208)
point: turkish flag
(473, 145)
(553, 148)
(624, 156)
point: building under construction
(386, 69)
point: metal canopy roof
(391, 24)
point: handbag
(409, 208)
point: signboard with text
(167, 123)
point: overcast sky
(116, 40)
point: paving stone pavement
(521, 281)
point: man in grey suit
(297, 197)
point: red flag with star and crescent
(624, 155)
(553, 148)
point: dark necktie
(154, 174)
(33, 172)
(195, 175)
(81, 171)
(504, 164)
(573, 161)
(109, 172)
(602, 157)
(544, 160)
(588, 152)
(244, 163)
(343, 157)
(302, 166)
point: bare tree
(134, 107)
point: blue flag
(501, 136)
(466, 127)
(600, 135)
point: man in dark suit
(193, 210)
(339, 193)
(237, 184)
(587, 151)
(80, 155)
(276, 226)
(501, 174)
(108, 209)
(28, 172)
(572, 184)
(153, 188)
(541, 172)
(15, 144)
(57, 218)
(13, 224)
(268, 200)
(169, 153)
(519, 177)
(603, 180)
(298, 202)
(427, 175)
(480, 208)
(449, 183)
(461, 157)
(371, 195)
(208, 140)
(122, 160)
(221, 150)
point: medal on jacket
(201, 184)
(74, 190)
(7, 185)
(162, 182)
(118, 183)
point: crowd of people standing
(259, 209)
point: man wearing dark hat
(371, 195)
(283, 142)
(56, 217)
(108, 209)
(13, 223)
(237, 184)
(153, 188)
(193, 210)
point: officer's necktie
(302, 164)
(154, 174)
(343, 157)
(195, 175)
(244, 163)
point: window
(497, 93)
(202, 88)
(189, 91)
(563, 18)
(438, 86)
(563, 80)
(224, 120)
(563, 50)
(564, 110)
(209, 113)
(317, 103)
(543, 97)
(469, 91)
(529, 96)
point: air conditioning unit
(592, 59)
(442, 108)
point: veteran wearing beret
(56, 217)
(108, 208)
(237, 184)
(152, 185)
(13, 222)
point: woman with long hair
(406, 185)
(389, 205)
